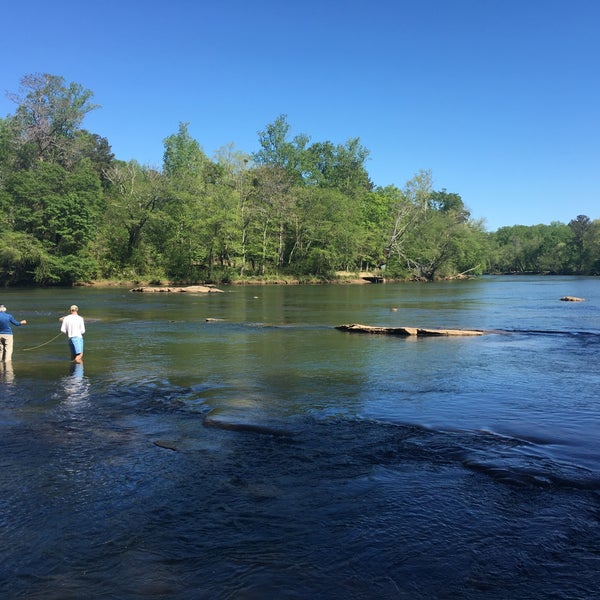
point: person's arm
(17, 323)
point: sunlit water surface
(236, 445)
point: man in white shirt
(74, 327)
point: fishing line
(44, 344)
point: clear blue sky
(499, 99)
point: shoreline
(342, 280)
(259, 281)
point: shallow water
(267, 454)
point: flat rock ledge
(407, 331)
(572, 299)
(196, 289)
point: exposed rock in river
(407, 331)
(202, 289)
(572, 299)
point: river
(237, 445)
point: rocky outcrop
(231, 424)
(196, 289)
(407, 331)
(166, 445)
(572, 299)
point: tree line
(71, 212)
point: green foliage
(276, 150)
(322, 231)
(49, 114)
(65, 270)
(20, 256)
(58, 208)
(580, 229)
(183, 159)
(136, 197)
(94, 149)
(341, 167)
(70, 212)
(532, 249)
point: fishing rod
(44, 344)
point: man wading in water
(74, 327)
(6, 334)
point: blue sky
(499, 99)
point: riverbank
(345, 278)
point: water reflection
(7, 374)
(75, 385)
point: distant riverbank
(275, 280)
(343, 278)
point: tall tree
(94, 148)
(49, 113)
(580, 227)
(593, 241)
(136, 196)
(183, 158)
(60, 209)
(277, 150)
(431, 234)
(377, 210)
(409, 207)
(341, 167)
(195, 220)
(271, 201)
(324, 227)
(235, 166)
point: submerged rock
(220, 422)
(166, 445)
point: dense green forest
(72, 213)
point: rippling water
(237, 445)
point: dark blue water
(265, 454)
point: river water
(236, 445)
